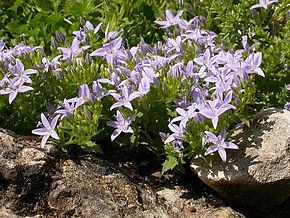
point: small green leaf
(91, 147)
(169, 163)
(245, 120)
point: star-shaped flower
(121, 125)
(218, 144)
(264, 4)
(47, 130)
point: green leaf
(91, 147)
(169, 163)
(245, 120)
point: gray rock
(6, 213)
(258, 174)
(32, 160)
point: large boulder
(258, 174)
(50, 183)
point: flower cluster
(16, 78)
(187, 85)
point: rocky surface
(258, 174)
(52, 183)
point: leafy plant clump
(181, 96)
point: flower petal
(223, 154)
(211, 149)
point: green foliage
(37, 21)
(268, 29)
(82, 128)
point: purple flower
(174, 44)
(254, 60)
(14, 89)
(68, 106)
(5, 80)
(223, 80)
(73, 51)
(80, 35)
(110, 35)
(170, 19)
(60, 37)
(177, 134)
(177, 146)
(207, 61)
(121, 125)
(187, 25)
(263, 3)
(54, 64)
(245, 43)
(183, 102)
(218, 144)
(185, 115)
(191, 69)
(22, 49)
(47, 130)
(21, 75)
(84, 92)
(2, 45)
(150, 75)
(90, 26)
(124, 99)
(98, 91)
(112, 51)
(197, 94)
(144, 47)
(181, 2)
(177, 70)
(53, 42)
(144, 87)
(213, 109)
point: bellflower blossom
(90, 26)
(53, 64)
(80, 35)
(84, 92)
(121, 125)
(185, 115)
(264, 4)
(68, 106)
(98, 91)
(124, 99)
(176, 138)
(13, 89)
(177, 134)
(73, 51)
(207, 61)
(2, 45)
(170, 19)
(14, 85)
(218, 144)
(254, 60)
(213, 109)
(112, 51)
(21, 75)
(47, 129)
